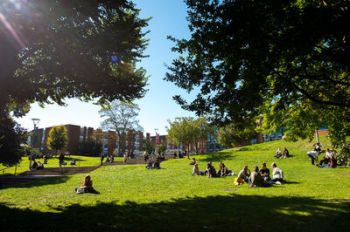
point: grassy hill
(135, 199)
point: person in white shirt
(277, 175)
(278, 153)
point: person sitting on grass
(86, 186)
(195, 171)
(265, 172)
(156, 164)
(326, 159)
(278, 153)
(34, 165)
(243, 176)
(150, 163)
(223, 170)
(285, 153)
(277, 175)
(193, 162)
(40, 166)
(211, 172)
(256, 179)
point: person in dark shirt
(265, 172)
(285, 153)
(211, 172)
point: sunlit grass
(326, 189)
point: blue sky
(157, 107)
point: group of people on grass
(284, 154)
(260, 178)
(211, 171)
(328, 161)
(154, 162)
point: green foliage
(90, 148)
(343, 156)
(188, 131)
(57, 138)
(11, 138)
(231, 135)
(64, 49)
(286, 61)
(161, 149)
(148, 146)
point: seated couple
(260, 178)
(86, 186)
(328, 161)
(285, 153)
(153, 163)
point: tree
(188, 131)
(57, 138)
(232, 135)
(90, 148)
(51, 50)
(148, 146)
(121, 117)
(247, 57)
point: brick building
(78, 135)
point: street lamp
(35, 135)
(35, 123)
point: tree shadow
(225, 213)
(218, 156)
(28, 182)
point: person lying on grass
(243, 176)
(86, 186)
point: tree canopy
(51, 50)
(187, 131)
(120, 117)
(250, 57)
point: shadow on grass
(28, 182)
(217, 156)
(216, 213)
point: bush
(343, 156)
(90, 148)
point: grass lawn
(81, 161)
(135, 199)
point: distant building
(204, 146)
(78, 135)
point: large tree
(57, 138)
(249, 58)
(188, 131)
(51, 50)
(120, 117)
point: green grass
(135, 199)
(81, 161)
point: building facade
(78, 135)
